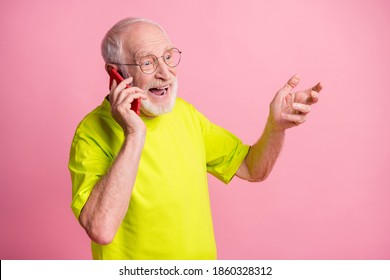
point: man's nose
(163, 70)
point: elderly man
(140, 181)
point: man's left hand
(289, 109)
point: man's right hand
(121, 98)
(109, 200)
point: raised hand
(120, 100)
(289, 109)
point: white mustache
(161, 84)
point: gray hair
(112, 44)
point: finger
(130, 96)
(126, 82)
(301, 108)
(139, 94)
(292, 83)
(313, 97)
(131, 91)
(297, 119)
(318, 87)
(116, 88)
(126, 103)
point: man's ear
(109, 66)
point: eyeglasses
(149, 63)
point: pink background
(328, 197)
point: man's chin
(152, 110)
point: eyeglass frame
(157, 58)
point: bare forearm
(263, 155)
(109, 200)
(287, 109)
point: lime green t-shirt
(169, 214)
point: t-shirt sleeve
(88, 162)
(224, 151)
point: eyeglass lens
(149, 63)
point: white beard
(153, 110)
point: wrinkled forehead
(145, 38)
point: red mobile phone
(136, 104)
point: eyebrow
(145, 53)
(141, 54)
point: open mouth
(161, 91)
